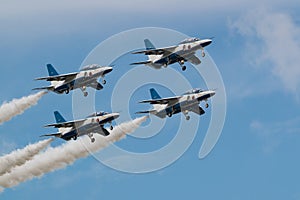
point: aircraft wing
(169, 101)
(102, 131)
(68, 124)
(96, 85)
(161, 51)
(62, 77)
(197, 109)
(193, 59)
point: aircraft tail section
(53, 134)
(58, 117)
(44, 88)
(141, 63)
(154, 94)
(148, 44)
(51, 70)
(144, 112)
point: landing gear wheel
(169, 114)
(183, 68)
(92, 140)
(111, 128)
(206, 105)
(203, 54)
(75, 137)
(104, 81)
(67, 91)
(85, 94)
(187, 117)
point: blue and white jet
(185, 103)
(93, 123)
(86, 77)
(183, 52)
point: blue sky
(255, 47)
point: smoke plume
(17, 106)
(21, 156)
(59, 157)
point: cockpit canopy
(188, 40)
(89, 67)
(193, 91)
(101, 113)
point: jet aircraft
(93, 123)
(86, 77)
(185, 103)
(183, 52)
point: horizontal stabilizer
(53, 134)
(141, 63)
(145, 112)
(44, 88)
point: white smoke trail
(21, 156)
(56, 158)
(17, 106)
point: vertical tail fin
(58, 117)
(154, 94)
(51, 70)
(148, 44)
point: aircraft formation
(88, 76)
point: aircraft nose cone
(116, 115)
(212, 93)
(206, 42)
(108, 69)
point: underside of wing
(96, 85)
(193, 59)
(197, 109)
(62, 77)
(103, 131)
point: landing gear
(169, 114)
(104, 81)
(187, 117)
(206, 105)
(91, 137)
(183, 67)
(75, 137)
(165, 65)
(203, 54)
(67, 91)
(111, 127)
(85, 93)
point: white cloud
(273, 134)
(273, 42)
